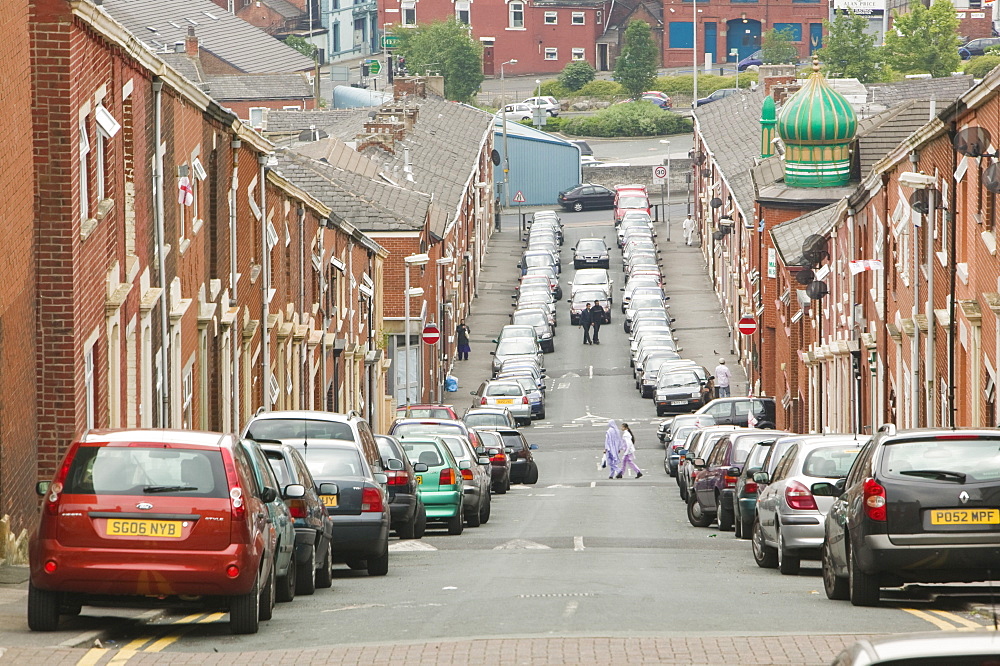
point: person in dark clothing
(462, 337)
(597, 315)
(585, 321)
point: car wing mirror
(823, 489)
(330, 488)
(294, 491)
(465, 464)
(42, 487)
(698, 462)
(480, 450)
(733, 471)
(419, 467)
(268, 494)
(483, 460)
(492, 452)
(380, 478)
(533, 447)
(763, 478)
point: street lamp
(694, 50)
(412, 260)
(443, 262)
(503, 113)
(538, 84)
(665, 141)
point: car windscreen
(538, 260)
(585, 295)
(641, 301)
(409, 429)
(590, 277)
(588, 245)
(744, 445)
(757, 454)
(833, 462)
(677, 380)
(516, 346)
(142, 470)
(424, 413)
(518, 332)
(949, 459)
(527, 383)
(633, 202)
(299, 429)
(426, 453)
(505, 389)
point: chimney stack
(191, 43)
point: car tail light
(750, 487)
(524, 401)
(447, 477)
(50, 566)
(52, 497)
(237, 504)
(874, 495)
(233, 571)
(398, 478)
(297, 508)
(730, 481)
(500, 457)
(371, 500)
(482, 401)
(797, 496)
(467, 475)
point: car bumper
(441, 503)
(924, 561)
(687, 404)
(139, 572)
(518, 470)
(802, 532)
(748, 506)
(364, 534)
(499, 473)
(401, 508)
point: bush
(602, 89)
(981, 66)
(551, 124)
(629, 119)
(577, 74)
(707, 83)
(553, 88)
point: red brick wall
(242, 109)
(262, 16)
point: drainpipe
(326, 320)
(930, 355)
(302, 300)
(161, 252)
(915, 343)
(235, 349)
(265, 288)
(855, 334)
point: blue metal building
(541, 164)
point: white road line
(578, 543)
(538, 427)
(591, 374)
(571, 607)
(572, 425)
(403, 546)
(593, 484)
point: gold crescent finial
(815, 63)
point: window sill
(88, 227)
(103, 208)
(990, 240)
(196, 227)
(516, 29)
(184, 244)
(943, 258)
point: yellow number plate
(420, 479)
(965, 516)
(505, 401)
(329, 500)
(143, 528)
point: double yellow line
(156, 643)
(946, 621)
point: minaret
(768, 120)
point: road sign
(519, 197)
(390, 41)
(374, 67)
(431, 334)
(747, 325)
(659, 175)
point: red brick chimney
(191, 43)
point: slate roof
(290, 86)
(731, 128)
(789, 236)
(369, 204)
(285, 8)
(160, 24)
(880, 134)
(945, 90)
(185, 65)
(343, 123)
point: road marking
(166, 641)
(409, 546)
(558, 486)
(521, 544)
(572, 425)
(927, 617)
(569, 374)
(364, 606)
(562, 385)
(543, 426)
(571, 607)
(590, 372)
(959, 620)
(593, 484)
(578, 543)
(91, 657)
(211, 617)
(137, 643)
(122, 657)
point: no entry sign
(747, 325)
(431, 334)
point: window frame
(515, 9)
(582, 16)
(84, 170)
(551, 51)
(578, 53)
(408, 14)
(551, 15)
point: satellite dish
(972, 141)
(716, 202)
(817, 289)
(805, 276)
(495, 157)
(718, 235)
(697, 157)
(991, 179)
(814, 249)
(919, 201)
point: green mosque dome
(817, 126)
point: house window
(90, 387)
(257, 116)
(462, 14)
(579, 18)
(336, 37)
(409, 10)
(187, 391)
(551, 18)
(516, 10)
(84, 170)
(101, 165)
(551, 53)
(579, 54)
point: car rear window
(139, 470)
(503, 390)
(513, 441)
(425, 413)
(633, 202)
(328, 463)
(299, 429)
(424, 452)
(456, 447)
(947, 460)
(831, 462)
(410, 429)
(486, 420)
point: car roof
(314, 415)
(156, 436)
(925, 645)
(487, 410)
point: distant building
(352, 29)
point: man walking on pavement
(722, 379)
(596, 319)
(585, 321)
(688, 228)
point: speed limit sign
(659, 175)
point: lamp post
(412, 260)
(667, 206)
(694, 50)
(538, 86)
(503, 113)
(443, 263)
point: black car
(587, 196)
(721, 93)
(918, 506)
(523, 468)
(499, 459)
(408, 517)
(591, 253)
(736, 411)
(313, 526)
(977, 47)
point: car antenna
(993, 603)
(305, 436)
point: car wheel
(473, 519)
(765, 556)
(737, 525)
(324, 575)
(683, 488)
(541, 415)
(421, 527)
(532, 476)
(379, 566)
(864, 589)
(746, 528)
(307, 574)
(456, 524)
(244, 617)
(696, 514)
(788, 563)
(268, 594)
(724, 514)
(578, 206)
(835, 586)
(43, 609)
(666, 465)
(484, 515)
(500, 488)
(287, 583)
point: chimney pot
(191, 43)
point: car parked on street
(699, 444)
(737, 411)
(127, 502)
(407, 515)
(538, 320)
(516, 112)
(746, 490)
(429, 411)
(586, 197)
(284, 527)
(499, 456)
(721, 93)
(591, 253)
(516, 348)
(918, 506)
(938, 647)
(489, 417)
(629, 201)
(539, 259)
(439, 483)
(476, 479)
(547, 102)
(523, 468)
(504, 393)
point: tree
(301, 45)
(924, 40)
(981, 66)
(849, 51)
(777, 48)
(446, 47)
(577, 74)
(635, 67)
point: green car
(439, 486)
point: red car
(157, 517)
(629, 201)
(427, 412)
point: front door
(743, 35)
(488, 69)
(602, 57)
(711, 38)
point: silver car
(516, 347)
(789, 524)
(505, 393)
(476, 479)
